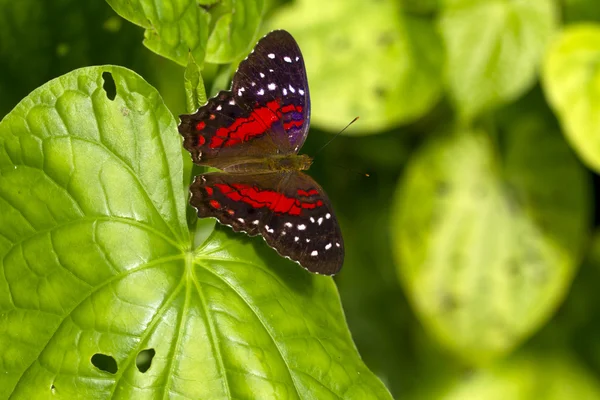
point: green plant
(471, 259)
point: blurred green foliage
(472, 254)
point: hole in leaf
(109, 85)
(143, 361)
(105, 363)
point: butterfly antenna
(336, 135)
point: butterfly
(253, 133)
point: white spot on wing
(320, 220)
(297, 58)
(287, 59)
(241, 220)
(288, 224)
(327, 215)
(337, 245)
(261, 92)
(312, 220)
(307, 240)
(292, 89)
(271, 56)
(296, 238)
(301, 91)
(314, 253)
(219, 108)
(328, 246)
(232, 102)
(284, 91)
(301, 227)
(255, 222)
(262, 75)
(272, 86)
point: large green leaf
(377, 63)
(176, 27)
(572, 85)
(493, 49)
(98, 271)
(488, 234)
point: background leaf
(486, 255)
(215, 31)
(173, 27)
(407, 52)
(572, 85)
(236, 24)
(528, 376)
(487, 42)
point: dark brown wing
(290, 210)
(266, 112)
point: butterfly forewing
(266, 112)
(290, 210)
(274, 75)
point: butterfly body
(252, 133)
(274, 163)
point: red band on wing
(244, 129)
(258, 198)
(256, 124)
(288, 125)
(291, 107)
(308, 193)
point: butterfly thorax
(273, 163)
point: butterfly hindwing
(266, 112)
(289, 209)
